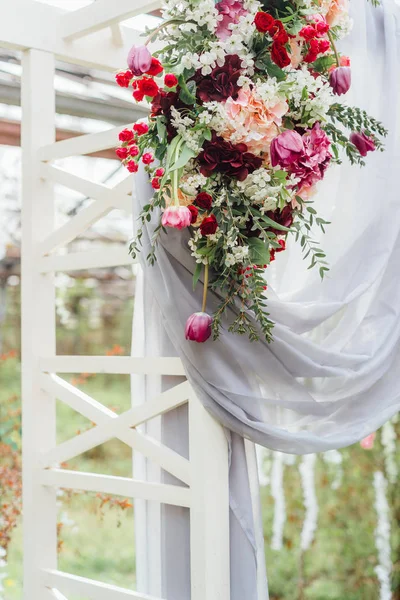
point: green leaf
(196, 274)
(185, 155)
(207, 133)
(259, 251)
(273, 224)
(272, 69)
(161, 130)
(188, 92)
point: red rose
(281, 36)
(126, 135)
(132, 166)
(313, 51)
(141, 128)
(209, 225)
(122, 153)
(171, 80)
(263, 22)
(323, 46)
(147, 87)
(282, 244)
(147, 158)
(160, 172)
(123, 79)
(156, 68)
(278, 33)
(279, 55)
(308, 32)
(195, 212)
(155, 183)
(203, 200)
(134, 151)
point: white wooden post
(38, 320)
(209, 513)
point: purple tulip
(363, 143)
(286, 148)
(139, 60)
(340, 80)
(198, 327)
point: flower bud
(340, 80)
(198, 327)
(177, 217)
(363, 143)
(139, 60)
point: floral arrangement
(245, 121)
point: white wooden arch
(93, 37)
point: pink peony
(231, 11)
(177, 217)
(337, 10)
(312, 164)
(368, 442)
(286, 148)
(363, 143)
(251, 121)
(198, 327)
(139, 60)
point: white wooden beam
(107, 198)
(81, 144)
(82, 261)
(119, 486)
(81, 586)
(36, 25)
(127, 365)
(101, 14)
(38, 314)
(110, 425)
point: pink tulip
(340, 80)
(286, 148)
(363, 143)
(177, 217)
(198, 327)
(368, 442)
(139, 60)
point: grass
(98, 542)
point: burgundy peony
(279, 55)
(363, 143)
(286, 148)
(340, 80)
(224, 157)
(283, 217)
(209, 225)
(198, 327)
(222, 83)
(139, 60)
(203, 200)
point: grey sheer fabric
(331, 375)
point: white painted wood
(81, 144)
(116, 34)
(88, 587)
(119, 486)
(112, 364)
(101, 14)
(39, 29)
(82, 261)
(108, 199)
(38, 320)
(209, 514)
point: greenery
(96, 534)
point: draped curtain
(330, 377)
